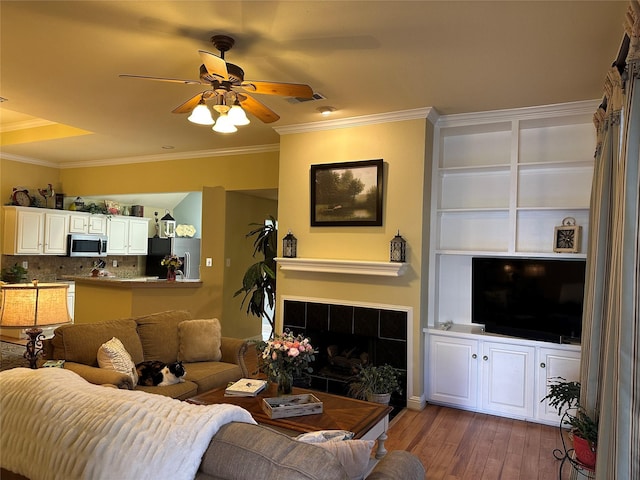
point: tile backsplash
(48, 268)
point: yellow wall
(403, 147)
(241, 211)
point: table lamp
(31, 306)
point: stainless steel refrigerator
(187, 249)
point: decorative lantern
(398, 249)
(289, 245)
(167, 226)
(567, 237)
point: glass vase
(171, 275)
(285, 383)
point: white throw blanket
(54, 425)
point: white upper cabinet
(127, 235)
(80, 222)
(34, 231)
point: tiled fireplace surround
(380, 332)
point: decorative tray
(292, 405)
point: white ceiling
(60, 62)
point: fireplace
(348, 336)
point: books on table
(245, 387)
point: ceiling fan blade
(161, 79)
(276, 88)
(189, 105)
(258, 109)
(215, 65)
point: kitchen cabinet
(35, 231)
(499, 375)
(87, 223)
(127, 235)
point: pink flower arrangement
(286, 353)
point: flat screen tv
(539, 299)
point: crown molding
(428, 113)
(584, 108)
(165, 157)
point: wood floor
(459, 445)
(454, 445)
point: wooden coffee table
(367, 420)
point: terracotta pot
(585, 451)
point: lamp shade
(224, 124)
(40, 304)
(201, 115)
(237, 116)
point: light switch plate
(209, 262)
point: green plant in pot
(376, 383)
(259, 281)
(14, 274)
(564, 396)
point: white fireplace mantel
(353, 267)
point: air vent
(316, 96)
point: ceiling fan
(228, 87)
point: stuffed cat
(156, 373)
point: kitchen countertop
(138, 282)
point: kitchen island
(107, 298)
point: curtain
(610, 369)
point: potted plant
(14, 274)
(564, 396)
(259, 281)
(376, 384)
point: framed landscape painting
(347, 194)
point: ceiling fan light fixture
(326, 111)
(201, 115)
(224, 124)
(238, 116)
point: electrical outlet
(228, 262)
(209, 262)
(25, 265)
(114, 263)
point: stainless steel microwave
(81, 245)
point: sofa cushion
(80, 342)
(259, 452)
(179, 391)
(159, 334)
(113, 356)
(354, 455)
(210, 375)
(200, 340)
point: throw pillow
(113, 356)
(200, 340)
(354, 455)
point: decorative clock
(20, 196)
(567, 237)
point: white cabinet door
(29, 232)
(127, 235)
(553, 363)
(507, 379)
(118, 233)
(78, 223)
(138, 234)
(453, 371)
(97, 224)
(56, 226)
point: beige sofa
(150, 337)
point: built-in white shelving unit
(502, 181)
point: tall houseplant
(259, 281)
(564, 396)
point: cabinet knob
(543, 365)
(474, 356)
(485, 358)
